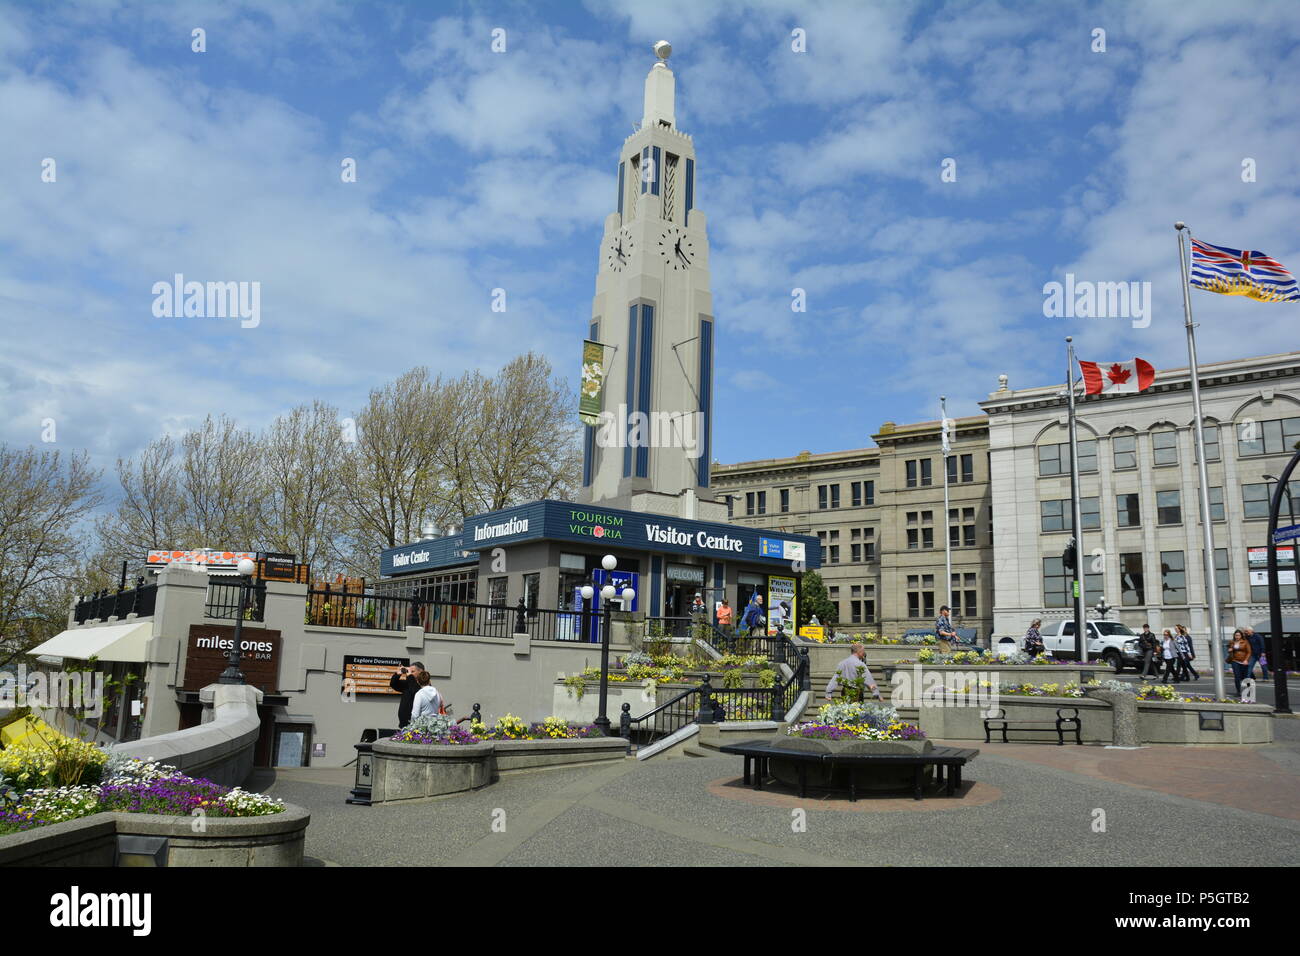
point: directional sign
(1286, 534)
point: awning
(116, 642)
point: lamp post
(232, 673)
(1286, 489)
(609, 563)
(1103, 608)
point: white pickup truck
(1109, 641)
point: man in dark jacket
(1257, 651)
(1148, 644)
(406, 684)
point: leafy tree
(814, 599)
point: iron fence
(223, 600)
(104, 604)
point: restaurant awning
(116, 642)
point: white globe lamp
(609, 562)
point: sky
(920, 170)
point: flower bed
(851, 727)
(440, 729)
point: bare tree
(44, 496)
(223, 484)
(151, 513)
(302, 453)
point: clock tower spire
(653, 312)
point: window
(1132, 583)
(1129, 513)
(1173, 577)
(920, 595)
(1058, 589)
(497, 598)
(762, 502)
(1210, 432)
(785, 501)
(855, 491)
(961, 527)
(855, 608)
(1055, 459)
(1256, 499)
(1125, 448)
(828, 496)
(834, 554)
(1266, 438)
(918, 473)
(1259, 576)
(1216, 500)
(869, 492)
(1169, 509)
(967, 465)
(1165, 445)
(1055, 515)
(1222, 580)
(822, 497)
(927, 538)
(913, 539)
(856, 551)
(964, 600)
(532, 587)
(731, 506)
(749, 502)
(835, 496)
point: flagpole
(1207, 529)
(947, 528)
(1076, 518)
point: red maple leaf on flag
(1118, 374)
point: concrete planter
(967, 723)
(1166, 722)
(865, 778)
(511, 755)
(272, 840)
(413, 771)
(895, 674)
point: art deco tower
(654, 314)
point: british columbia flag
(1238, 272)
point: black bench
(1067, 719)
(760, 754)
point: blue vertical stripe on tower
(690, 189)
(654, 182)
(643, 388)
(589, 439)
(706, 401)
(631, 387)
(620, 190)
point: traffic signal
(1069, 557)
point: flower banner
(593, 380)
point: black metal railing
(104, 604)
(327, 607)
(223, 600)
(709, 704)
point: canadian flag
(1117, 377)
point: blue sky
(478, 170)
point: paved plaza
(1024, 804)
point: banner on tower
(593, 380)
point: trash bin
(1006, 647)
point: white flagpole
(1207, 529)
(1076, 518)
(947, 529)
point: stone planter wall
(1035, 674)
(273, 840)
(967, 723)
(1164, 722)
(404, 771)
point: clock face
(675, 248)
(618, 250)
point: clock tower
(653, 312)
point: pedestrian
(725, 614)
(943, 630)
(428, 701)
(753, 617)
(1238, 657)
(1169, 655)
(406, 683)
(1148, 644)
(1034, 639)
(1256, 653)
(698, 610)
(1186, 653)
(850, 670)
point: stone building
(1142, 542)
(878, 514)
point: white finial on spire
(660, 89)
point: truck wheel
(1113, 661)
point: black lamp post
(1103, 608)
(232, 673)
(607, 593)
(1286, 489)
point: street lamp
(1286, 490)
(232, 674)
(1103, 608)
(609, 563)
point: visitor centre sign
(613, 528)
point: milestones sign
(205, 656)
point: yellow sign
(813, 632)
